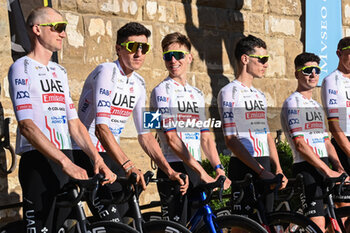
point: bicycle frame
(206, 213)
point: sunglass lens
(309, 70)
(60, 27)
(263, 60)
(145, 48)
(132, 46)
(176, 54)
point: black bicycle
(274, 222)
(204, 220)
(130, 194)
(71, 196)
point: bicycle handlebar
(83, 185)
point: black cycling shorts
(111, 212)
(343, 158)
(41, 180)
(177, 208)
(237, 171)
(313, 180)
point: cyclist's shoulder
(21, 65)
(139, 79)
(332, 78)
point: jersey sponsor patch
(255, 115)
(103, 114)
(23, 107)
(121, 111)
(53, 98)
(22, 94)
(21, 81)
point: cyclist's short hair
(344, 42)
(305, 57)
(39, 15)
(176, 37)
(247, 45)
(131, 29)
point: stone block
(87, 6)
(285, 7)
(346, 13)
(256, 23)
(151, 9)
(110, 6)
(259, 6)
(70, 5)
(284, 26)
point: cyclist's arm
(81, 136)
(308, 154)
(209, 149)
(182, 152)
(233, 143)
(339, 136)
(152, 149)
(107, 139)
(275, 160)
(333, 157)
(38, 139)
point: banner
(20, 43)
(323, 32)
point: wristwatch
(219, 166)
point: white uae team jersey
(336, 99)
(109, 97)
(41, 93)
(302, 117)
(178, 103)
(243, 113)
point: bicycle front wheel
(291, 222)
(110, 227)
(158, 226)
(225, 224)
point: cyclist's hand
(220, 172)
(140, 179)
(206, 178)
(184, 184)
(332, 173)
(74, 171)
(101, 168)
(284, 181)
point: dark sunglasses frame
(177, 54)
(145, 47)
(261, 58)
(307, 70)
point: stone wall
(213, 27)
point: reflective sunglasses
(307, 70)
(133, 46)
(261, 58)
(56, 26)
(177, 54)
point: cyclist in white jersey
(180, 103)
(46, 120)
(110, 94)
(243, 113)
(336, 99)
(302, 120)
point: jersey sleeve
(138, 112)
(292, 119)
(226, 101)
(105, 74)
(330, 98)
(160, 100)
(19, 83)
